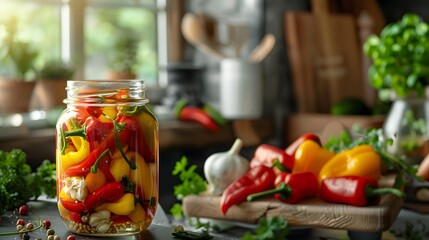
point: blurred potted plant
(17, 84)
(400, 73)
(52, 80)
(122, 60)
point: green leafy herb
(269, 229)
(43, 180)
(18, 184)
(191, 182)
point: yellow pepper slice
(119, 167)
(94, 181)
(142, 176)
(361, 160)
(75, 157)
(124, 206)
(138, 215)
(111, 113)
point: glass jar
(407, 124)
(107, 158)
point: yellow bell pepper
(310, 156)
(75, 155)
(361, 160)
(124, 206)
(119, 167)
(142, 176)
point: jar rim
(95, 92)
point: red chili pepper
(354, 190)
(294, 188)
(109, 142)
(137, 141)
(185, 112)
(197, 115)
(257, 179)
(291, 149)
(267, 155)
(110, 192)
(73, 206)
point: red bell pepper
(257, 179)
(294, 188)
(291, 149)
(267, 155)
(354, 190)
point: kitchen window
(93, 34)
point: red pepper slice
(354, 190)
(291, 149)
(96, 131)
(294, 188)
(137, 142)
(257, 179)
(266, 154)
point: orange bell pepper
(310, 157)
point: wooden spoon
(263, 49)
(193, 31)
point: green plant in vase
(400, 73)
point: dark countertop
(162, 226)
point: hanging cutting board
(324, 56)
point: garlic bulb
(75, 188)
(100, 220)
(221, 169)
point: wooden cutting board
(325, 57)
(311, 212)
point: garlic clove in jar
(221, 169)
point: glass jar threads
(107, 158)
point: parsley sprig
(269, 229)
(191, 183)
